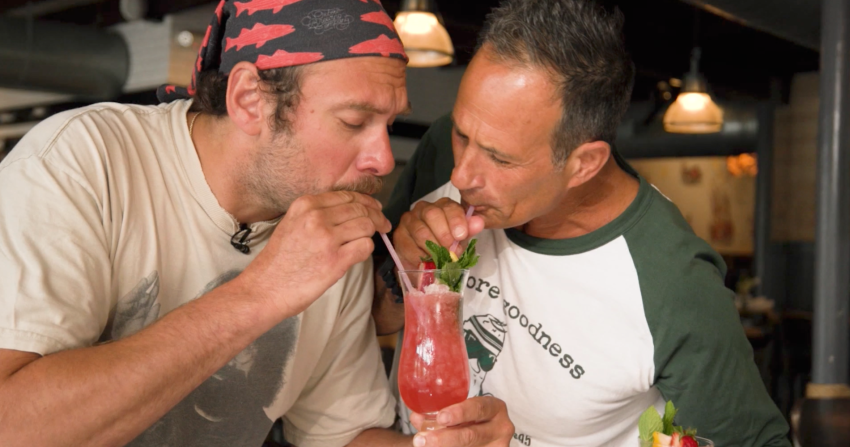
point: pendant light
(693, 111)
(426, 41)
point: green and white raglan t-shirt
(579, 336)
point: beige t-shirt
(107, 224)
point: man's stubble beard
(277, 176)
(281, 174)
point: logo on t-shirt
(484, 336)
(137, 309)
(229, 408)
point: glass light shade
(426, 42)
(693, 112)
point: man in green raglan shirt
(593, 299)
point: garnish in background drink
(660, 431)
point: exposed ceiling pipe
(638, 139)
(42, 8)
(62, 58)
(795, 20)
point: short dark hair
(582, 45)
(283, 84)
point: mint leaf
(469, 258)
(439, 254)
(669, 413)
(649, 423)
(434, 250)
(451, 276)
(691, 432)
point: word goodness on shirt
(535, 330)
(539, 335)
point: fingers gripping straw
(453, 248)
(396, 260)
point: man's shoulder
(679, 273)
(439, 133)
(433, 158)
(80, 142)
(664, 238)
(84, 126)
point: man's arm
(703, 362)
(109, 394)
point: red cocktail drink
(433, 369)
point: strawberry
(689, 441)
(427, 277)
(675, 441)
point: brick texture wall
(795, 163)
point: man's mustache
(365, 185)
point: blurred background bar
(61, 58)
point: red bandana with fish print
(283, 33)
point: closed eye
(499, 161)
(351, 126)
(462, 137)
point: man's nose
(464, 176)
(378, 159)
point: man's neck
(588, 207)
(218, 149)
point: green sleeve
(429, 168)
(703, 361)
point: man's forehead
(363, 82)
(498, 141)
(370, 107)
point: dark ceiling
(739, 62)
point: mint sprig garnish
(452, 270)
(650, 422)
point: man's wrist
(251, 305)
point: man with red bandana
(186, 274)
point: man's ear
(586, 161)
(246, 104)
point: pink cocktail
(433, 369)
